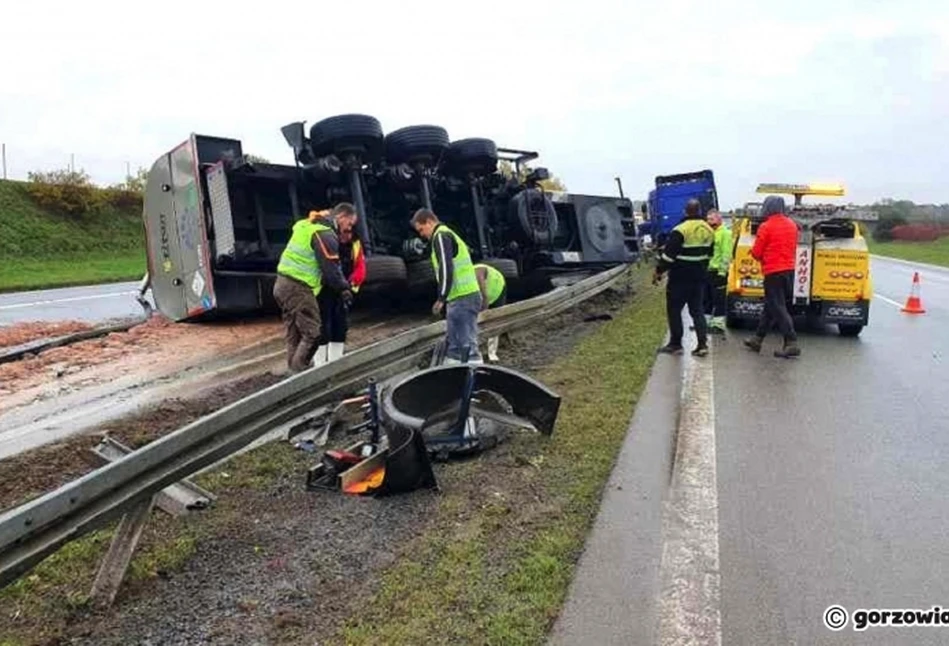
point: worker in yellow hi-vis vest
(458, 291)
(308, 264)
(493, 294)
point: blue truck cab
(667, 201)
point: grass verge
(76, 269)
(499, 575)
(934, 253)
(55, 593)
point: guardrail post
(116, 560)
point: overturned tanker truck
(217, 222)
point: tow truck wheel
(506, 266)
(849, 329)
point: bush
(71, 192)
(67, 191)
(915, 232)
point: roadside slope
(40, 248)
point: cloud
(765, 90)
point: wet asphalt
(832, 483)
(91, 304)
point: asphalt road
(824, 482)
(94, 304)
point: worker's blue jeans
(461, 316)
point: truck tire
(506, 266)
(849, 329)
(385, 269)
(533, 211)
(416, 145)
(420, 274)
(476, 156)
(344, 134)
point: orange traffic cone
(913, 304)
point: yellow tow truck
(832, 283)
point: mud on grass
(486, 561)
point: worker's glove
(347, 297)
(437, 308)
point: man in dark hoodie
(775, 248)
(685, 256)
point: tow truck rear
(832, 283)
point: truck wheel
(416, 144)
(506, 266)
(849, 329)
(476, 156)
(420, 274)
(385, 269)
(536, 215)
(344, 134)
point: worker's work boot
(670, 349)
(789, 351)
(700, 351)
(335, 351)
(754, 343)
(319, 358)
(493, 349)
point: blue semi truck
(667, 200)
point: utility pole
(3, 154)
(72, 162)
(128, 170)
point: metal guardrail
(31, 532)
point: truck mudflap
(749, 308)
(745, 308)
(845, 312)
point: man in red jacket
(775, 248)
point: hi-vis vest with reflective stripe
(698, 238)
(298, 260)
(494, 282)
(464, 281)
(722, 253)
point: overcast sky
(755, 90)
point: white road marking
(64, 300)
(690, 575)
(887, 300)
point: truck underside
(216, 223)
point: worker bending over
(309, 264)
(458, 291)
(685, 257)
(718, 272)
(334, 312)
(493, 294)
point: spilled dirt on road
(156, 348)
(20, 333)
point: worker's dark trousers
(715, 294)
(777, 294)
(334, 317)
(679, 293)
(301, 320)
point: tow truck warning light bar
(803, 189)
